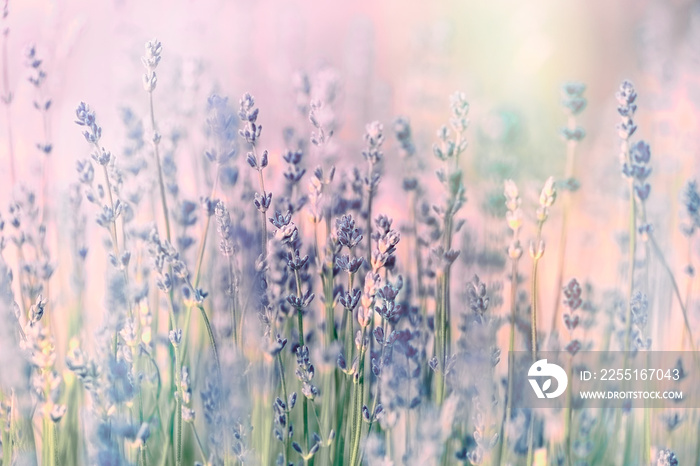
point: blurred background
(384, 59)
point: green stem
(385, 326)
(202, 245)
(377, 392)
(300, 322)
(632, 226)
(358, 389)
(511, 360)
(568, 416)
(533, 316)
(676, 291)
(569, 173)
(54, 441)
(440, 344)
(161, 184)
(232, 302)
(443, 310)
(263, 233)
(646, 451)
(533, 323)
(115, 245)
(368, 233)
(632, 253)
(697, 448)
(164, 455)
(286, 400)
(210, 334)
(6, 447)
(178, 410)
(46, 444)
(200, 447)
(530, 441)
(688, 288)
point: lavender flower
(666, 457)
(225, 229)
(626, 98)
(150, 61)
(348, 235)
(249, 115)
(305, 373)
(86, 117)
(222, 128)
(572, 97)
(638, 169)
(402, 131)
(691, 207)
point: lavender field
(319, 233)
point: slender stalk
(533, 324)
(161, 184)
(54, 443)
(632, 255)
(232, 303)
(646, 450)
(370, 193)
(7, 445)
(536, 252)
(377, 391)
(110, 198)
(300, 322)
(511, 360)
(327, 282)
(210, 334)
(569, 173)
(202, 245)
(164, 455)
(676, 291)
(530, 441)
(280, 367)
(178, 409)
(142, 448)
(628, 316)
(349, 326)
(688, 288)
(697, 447)
(46, 455)
(418, 256)
(534, 290)
(533, 316)
(343, 423)
(568, 413)
(408, 415)
(358, 392)
(441, 343)
(263, 226)
(113, 228)
(442, 311)
(200, 447)
(6, 434)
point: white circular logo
(552, 371)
